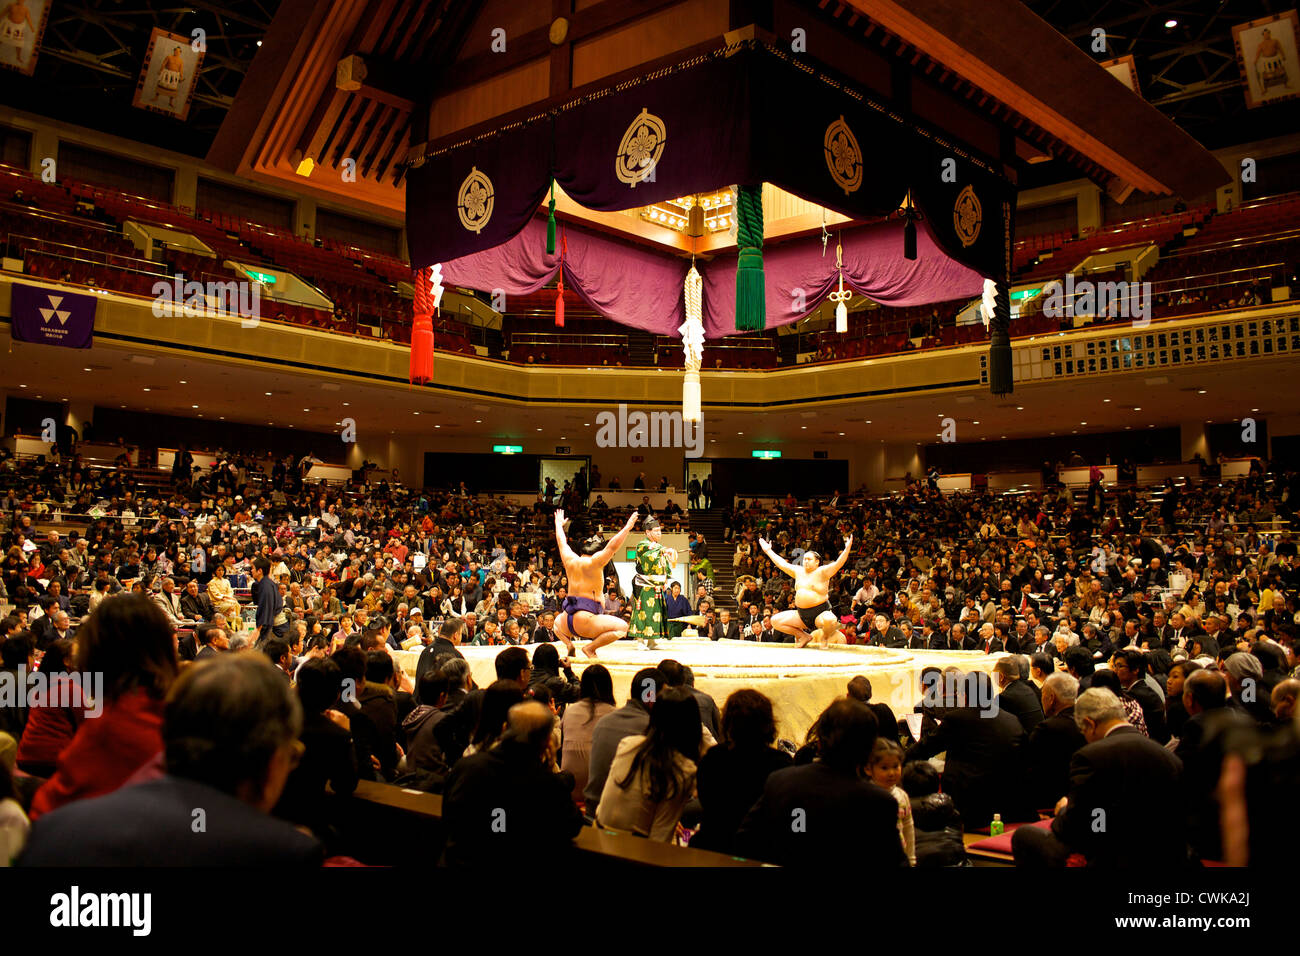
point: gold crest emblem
(967, 216)
(640, 150)
(474, 201)
(843, 156)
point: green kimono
(648, 622)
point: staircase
(640, 349)
(708, 522)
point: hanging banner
(743, 115)
(1267, 57)
(1124, 69)
(169, 75)
(967, 208)
(22, 25)
(48, 316)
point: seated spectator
(13, 820)
(630, 719)
(1018, 697)
(378, 700)
(675, 675)
(328, 755)
(936, 824)
(1118, 777)
(984, 762)
(126, 639)
(860, 689)
(230, 731)
(886, 770)
(1053, 742)
(557, 678)
(50, 728)
(596, 699)
(732, 774)
(498, 698)
(824, 812)
(503, 804)
(652, 776)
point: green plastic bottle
(995, 828)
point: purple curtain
(641, 288)
(799, 277)
(630, 284)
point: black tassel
(1000, 376)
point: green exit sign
(508, 449)
(263, 277)
(1024, 294)
(765, 453)
(631, 554)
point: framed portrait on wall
(169, 75)
(22, 24)
(1267, 58)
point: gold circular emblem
(474, 201)
(559, 30)
(843, 156)
(967, 216)
(640, 150)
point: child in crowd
(886, 770)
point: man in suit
(195, 605)
(683, 678)
(843, 815)
(1054, 741)
(1017, 696)
(725, 627)
(213, 641)
(1205, 699)
(1130, 666)
(510, 782)
(170, 601)
(860, 689)
(989, 642)
(230, 731)
(1180, 632)
(984, 768)
(1116, 782)
(545, 630)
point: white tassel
(692, 331)
(988, 302)
(691, 397)
(841, 318)
(435, 276)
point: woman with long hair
(51, 727)
(653, 775)
(499, 697)
(595, 700)
(129, 645)
(732, 774)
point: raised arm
(779, 561)
(834, 569)
(616, 542)
(566, 553)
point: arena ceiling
(92, 51)
(90, 62)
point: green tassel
(550, 222)
(751, 297)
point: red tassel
(559, 286)
(422, 331)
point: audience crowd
(230, 640)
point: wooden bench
(375, 812)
